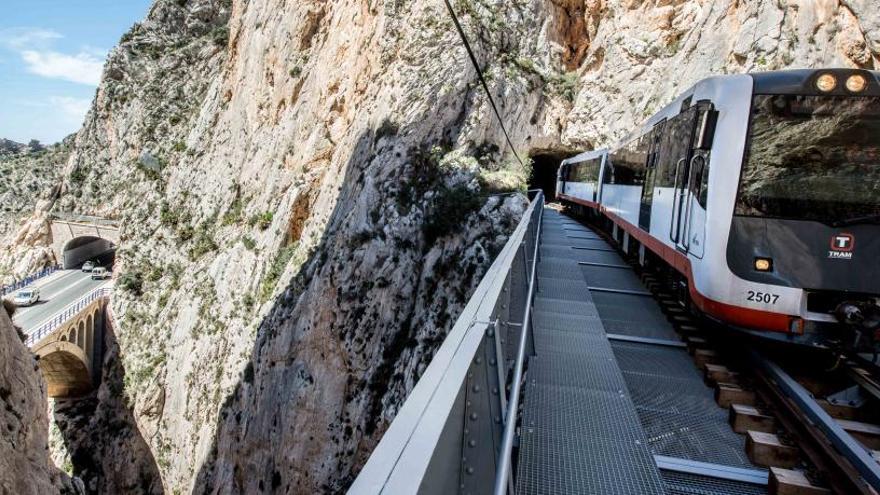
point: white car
(88, 266)
(26, 297)
(100, 273)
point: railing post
(482, 422)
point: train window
(813, 158)
(674, 147)
(701, 183)
(628, 162)
(585, 171)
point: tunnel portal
(88, 248)
(545, 166)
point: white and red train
(762, 192)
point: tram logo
(842, 246)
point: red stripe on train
(728, 313)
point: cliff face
(29, 179)
(306, 194)
(25, 467)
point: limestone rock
(334, 184)
(25, 467)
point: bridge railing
(455, 431)
(45, 272)
(66, 314)
(77, 218)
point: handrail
(502, 475)
(65, 314)
(416, 454)
(77, 218)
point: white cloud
(34, 46)
(28, 38)
(83, 68)
(73, 109)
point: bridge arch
(80, 249)
(63, 364)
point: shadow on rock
(106, 448)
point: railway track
(811, 419)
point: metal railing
(503, 478)
(6, 289)
(66, 314)
(455, 433)
(77, 218)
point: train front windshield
(813, 158)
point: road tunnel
(545, 165)
(88, 248)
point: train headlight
(763, 264)
(856, 83)
(826, 83)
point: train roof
(587, 155)
(797, 81)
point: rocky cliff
(309, 191)
(29, 180)
(25, 467)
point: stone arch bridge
(69, 346)
(79, 238)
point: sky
(52, 53)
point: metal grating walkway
(595, 411)
(581, 432)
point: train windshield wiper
(852, 221)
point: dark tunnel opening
(545, 165)
(77, 251)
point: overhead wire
(482, 79)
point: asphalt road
(55, 294)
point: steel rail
(848, 448)
(502, 475)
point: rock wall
(25, 467)
(97, 437)
(29, 180)
(309, 191)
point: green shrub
(132, 282)
(78, 176)
(232, 215)
(276, 269)
(185, 232)
(204, 244)
(249, 243)
(220, 35)
(249, 373)
(448, 210)
(262, 220)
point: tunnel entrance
(88, 248)
(545, 165)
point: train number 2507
(763, 297)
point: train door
(691, 185)
(650, 176)
(683, 126)
(698, 180)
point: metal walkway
(586, 390)
(611, 392)
(580, 430)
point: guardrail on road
(65, 314)
(45, 272)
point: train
(760, 193)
